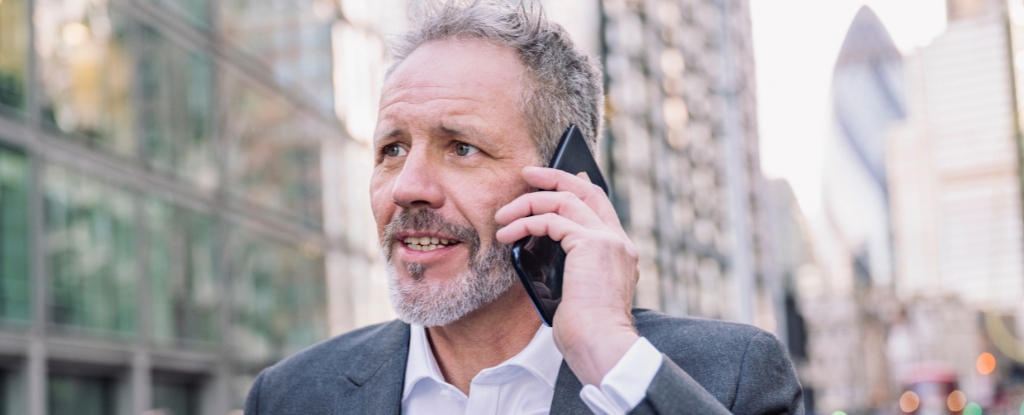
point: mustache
(427, 220)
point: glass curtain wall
(86, 73)
(176, 107)
(178, 165)
(80, 395)
(278, 301)
(175, 398)
(15, 284)
(91, 253)
(13, 55)
(183, 281)
(272, 160)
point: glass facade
(13, 55)
(160, 200)
(14, 237)
(183, 283)
(175, 398)
(80, 395)
(272, 160)
(91, 253)
(86, 73)
(292, 39)
(176, 87)
(275, 285)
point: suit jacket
(709, 367)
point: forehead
(470, 73)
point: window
(279, 299)
(173, 396)
(183, 282)
(15, 278)
(293, 39)
(176, 104)
(86, 73)
(273, 153)
(90, 253)
(80, 395)
(13, 54)
(197, 12)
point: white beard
(438, 303)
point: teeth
(425, 243)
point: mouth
(427, 243)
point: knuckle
(630, 250)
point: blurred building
(798, 276)
(957, 216)
(682, 155)
(957, 213)
(162, 203)
(849, 314)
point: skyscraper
(956, 174)
(847, 315)
(682, 154)
(956, 185)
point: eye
(394, 150)
(463, 149)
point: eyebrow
(441, 129)
(395, 132)
(461, 131)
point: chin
(441, 301)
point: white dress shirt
(524, 384)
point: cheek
(380, 201)
(482, 196)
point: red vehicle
(928, 392)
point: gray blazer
(709, 367)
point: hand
(593, 327)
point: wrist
(593, 347)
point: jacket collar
(378, 372)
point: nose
(416, 185)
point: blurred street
(184, 189)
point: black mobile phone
(540, 261)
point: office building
(162, 226)
(956, 205)
(682, 156)
(849, 308)
(956, 175)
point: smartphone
(540, 261)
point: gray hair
(562, 84)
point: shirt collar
(540, 358)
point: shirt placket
(483, 399)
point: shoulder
(350, 358)
(696, 333)
(717, 354)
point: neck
(484, 338)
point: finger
(564, 204)
(591, 194)
(549, 224)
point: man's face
(450, 144)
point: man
(475, 102)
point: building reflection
(162, 235)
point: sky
(796, 43)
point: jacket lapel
(378, 373)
